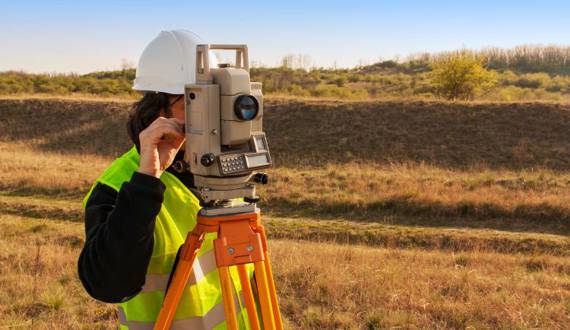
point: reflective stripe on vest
(201, 267)
(213, 318)
(202, 296)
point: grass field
(409, 241)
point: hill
(314, 133)
(422, 163)
(448, 215)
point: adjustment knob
(180, 166)
(208, 159)
(251, 200)
(261, 178)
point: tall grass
(434, 196)
(462, 244)
(532, 200)
(341, 287)
(320, 285)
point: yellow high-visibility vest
(201, 305)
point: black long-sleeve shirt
(119, 230)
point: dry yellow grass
(26, 170)
(39, 288)
(464, 243)
(395, 206)
(527, 200)
(339, 287)
(334, 287)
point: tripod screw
(231, 250)
(208, 159)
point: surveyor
(139, 211)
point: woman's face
(177, 107)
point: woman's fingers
(159, 143)
(161, 121)
(170, 122)
(161, 129)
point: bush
(298, 91)
(340, 81)
(339, 92)
(453, 75)
(533, 80)
(461, 76)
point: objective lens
(246, 107)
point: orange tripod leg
(273, 294)
(227, 298)
(264, 298)
(241, 240)
(248, 296)
(179, 280)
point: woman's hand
(159, 143)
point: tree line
(521, 73)
(552, 59)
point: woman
(139, 211)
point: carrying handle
(203, 58)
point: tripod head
(225, 144)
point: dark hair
(145, 111)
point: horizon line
(363, 62)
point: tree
(461, 76)
(127, 64)
(287, 62)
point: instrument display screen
(257, 160)
(260, 144)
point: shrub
(461, 76)
(533, 80)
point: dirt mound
(66, 126)
(518, 135)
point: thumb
(181, 142)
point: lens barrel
(246, 107)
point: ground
(455, 237)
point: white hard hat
(169, 62)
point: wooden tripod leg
(248, 296)
(227, 298)
(179, 280)
(264, 297)
(273, 293)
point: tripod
(241, 240)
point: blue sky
(83, 36)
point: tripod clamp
(239, 233)
(241, 240)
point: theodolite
(224, 149)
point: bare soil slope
(454, 135)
